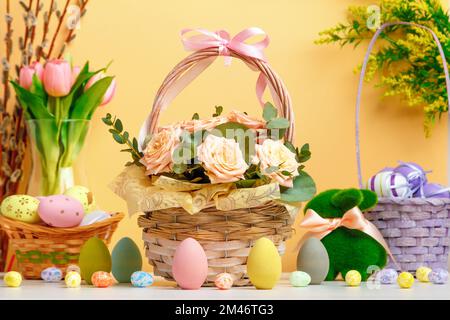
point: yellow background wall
(142, 37)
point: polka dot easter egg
(13, 279)
(84, 195)
(422, 274)
(72, 279)
(21, 207)
(353, 278)
(141, 279)
(223, 281)
(51, 274)
(405, 280)
(102, 279)
(386, 276)
(61, 211)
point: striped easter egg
(389, 184)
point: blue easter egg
(141, 279)
(51, 274)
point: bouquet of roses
(58, 101)
(235, 148)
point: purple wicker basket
(416, 229)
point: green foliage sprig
(408, 59)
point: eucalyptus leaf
(118, 125)
(269, 112)
(278, 123)
(303, 189)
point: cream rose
(202, 124)
(222, 159)
(158, 152)
(246, 120)
(273, 153)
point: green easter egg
(21, 207)
(299, 279)
(126, 259)
(84, 195)
(94, 256)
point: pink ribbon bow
(319, 227)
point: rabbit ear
(370, 200)
(347, 199)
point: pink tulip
(27, 73)
(109, 94)
(75, 72)
(57, 78)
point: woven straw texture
(417, 230)
(38, 247)
(226, 236)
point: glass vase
(57, 152)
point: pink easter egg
(190, 265)
(61, 211)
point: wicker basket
(37, 246)
(226, 236)
(416, 229)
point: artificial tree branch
(47, 18)
(58, 28)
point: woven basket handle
(166, 93)
(363, 72)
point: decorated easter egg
(433, 190)
(94, 217)
(422, 274)
(51, 274)
(12, 279)
(190, 265)
(414, 174)
(72, 279)
(126, 259)
(313, 259)
(387, 276)
(141, 279)
(353, 278)
(61, 211)
(102, 279)
(299, 279)
(438, 276)
(223, 281)
(84, 195)
(94, 256)
(73, 268)
(21, 207)
(264, 264)
(405, 280)
(389, 184)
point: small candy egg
(102, 279)
(13, 279)
(61, 211)
(422, 274)
(223, 281)
(51, 274)
(353, 278)
(84, 195)
(438, 276)
(405, 280)
(141, 279)
(73, 268)
(386, 276)
(21, 207)
(299, 279)
(72, 279)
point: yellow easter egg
(353, 278)
(405, 280)
(13, 279)
(422, 274)
(21, 207)
(84, 195)
(264, 264)
(72, 279)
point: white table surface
(336, 290)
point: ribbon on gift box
(318, 227)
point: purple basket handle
(362, 76)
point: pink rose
(246, 120)
(274, 154)
(159, 150)
(222, 159)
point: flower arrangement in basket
(225, 181)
